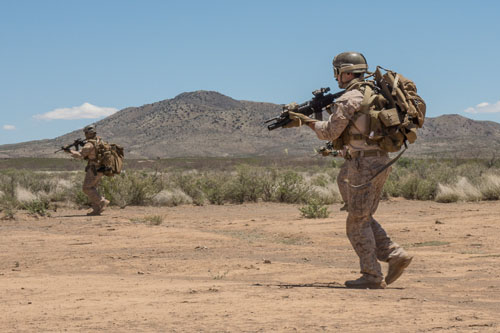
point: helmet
(349, 62)
(89, 129)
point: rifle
(315, 105)
(77, 144)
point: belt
(367, 153)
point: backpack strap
(368, 98)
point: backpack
(109, 157)
(395, 110)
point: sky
(66, 63)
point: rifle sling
(391, 162)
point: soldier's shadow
(81, 215)
(328, 285)
(332, 285)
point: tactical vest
(394, 108)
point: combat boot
(97, 209)
(364, 283)
(94, 212)
(397, 266)
(103, 204)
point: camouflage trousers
(367, 237)
(341, 182)
(90, 183)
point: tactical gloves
(298, 119)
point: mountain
(456, 136)
(207, 123)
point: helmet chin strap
(341, 82)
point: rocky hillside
(207, 123)
(454, 135)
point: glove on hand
(298, 119)
(290, 107)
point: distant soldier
(92, 175)
(349, 126)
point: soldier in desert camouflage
(92, 175)
(363, 160)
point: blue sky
(74, 59)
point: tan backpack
(109, 157)
(395, 109)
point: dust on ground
(246, 268)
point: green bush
(214, 188)
(246, 185)
(191, 184)
(8, 206)
(36, 207)
(80, 198)
(130, 188)
(314, 210)
(291, 188)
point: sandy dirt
(246, 268)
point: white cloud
(84, 111)
(9, 127)
(484, 107)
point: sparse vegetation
(149, 219)
(36, 207)
(131, 188)
(314, 185)
(314, 210)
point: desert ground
(246, 268)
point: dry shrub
(490, 187)
(447, 194)
(149, 219)
(171, 198)
(463, 190)
(325, 195)
(24, 195)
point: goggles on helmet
(336, 71)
